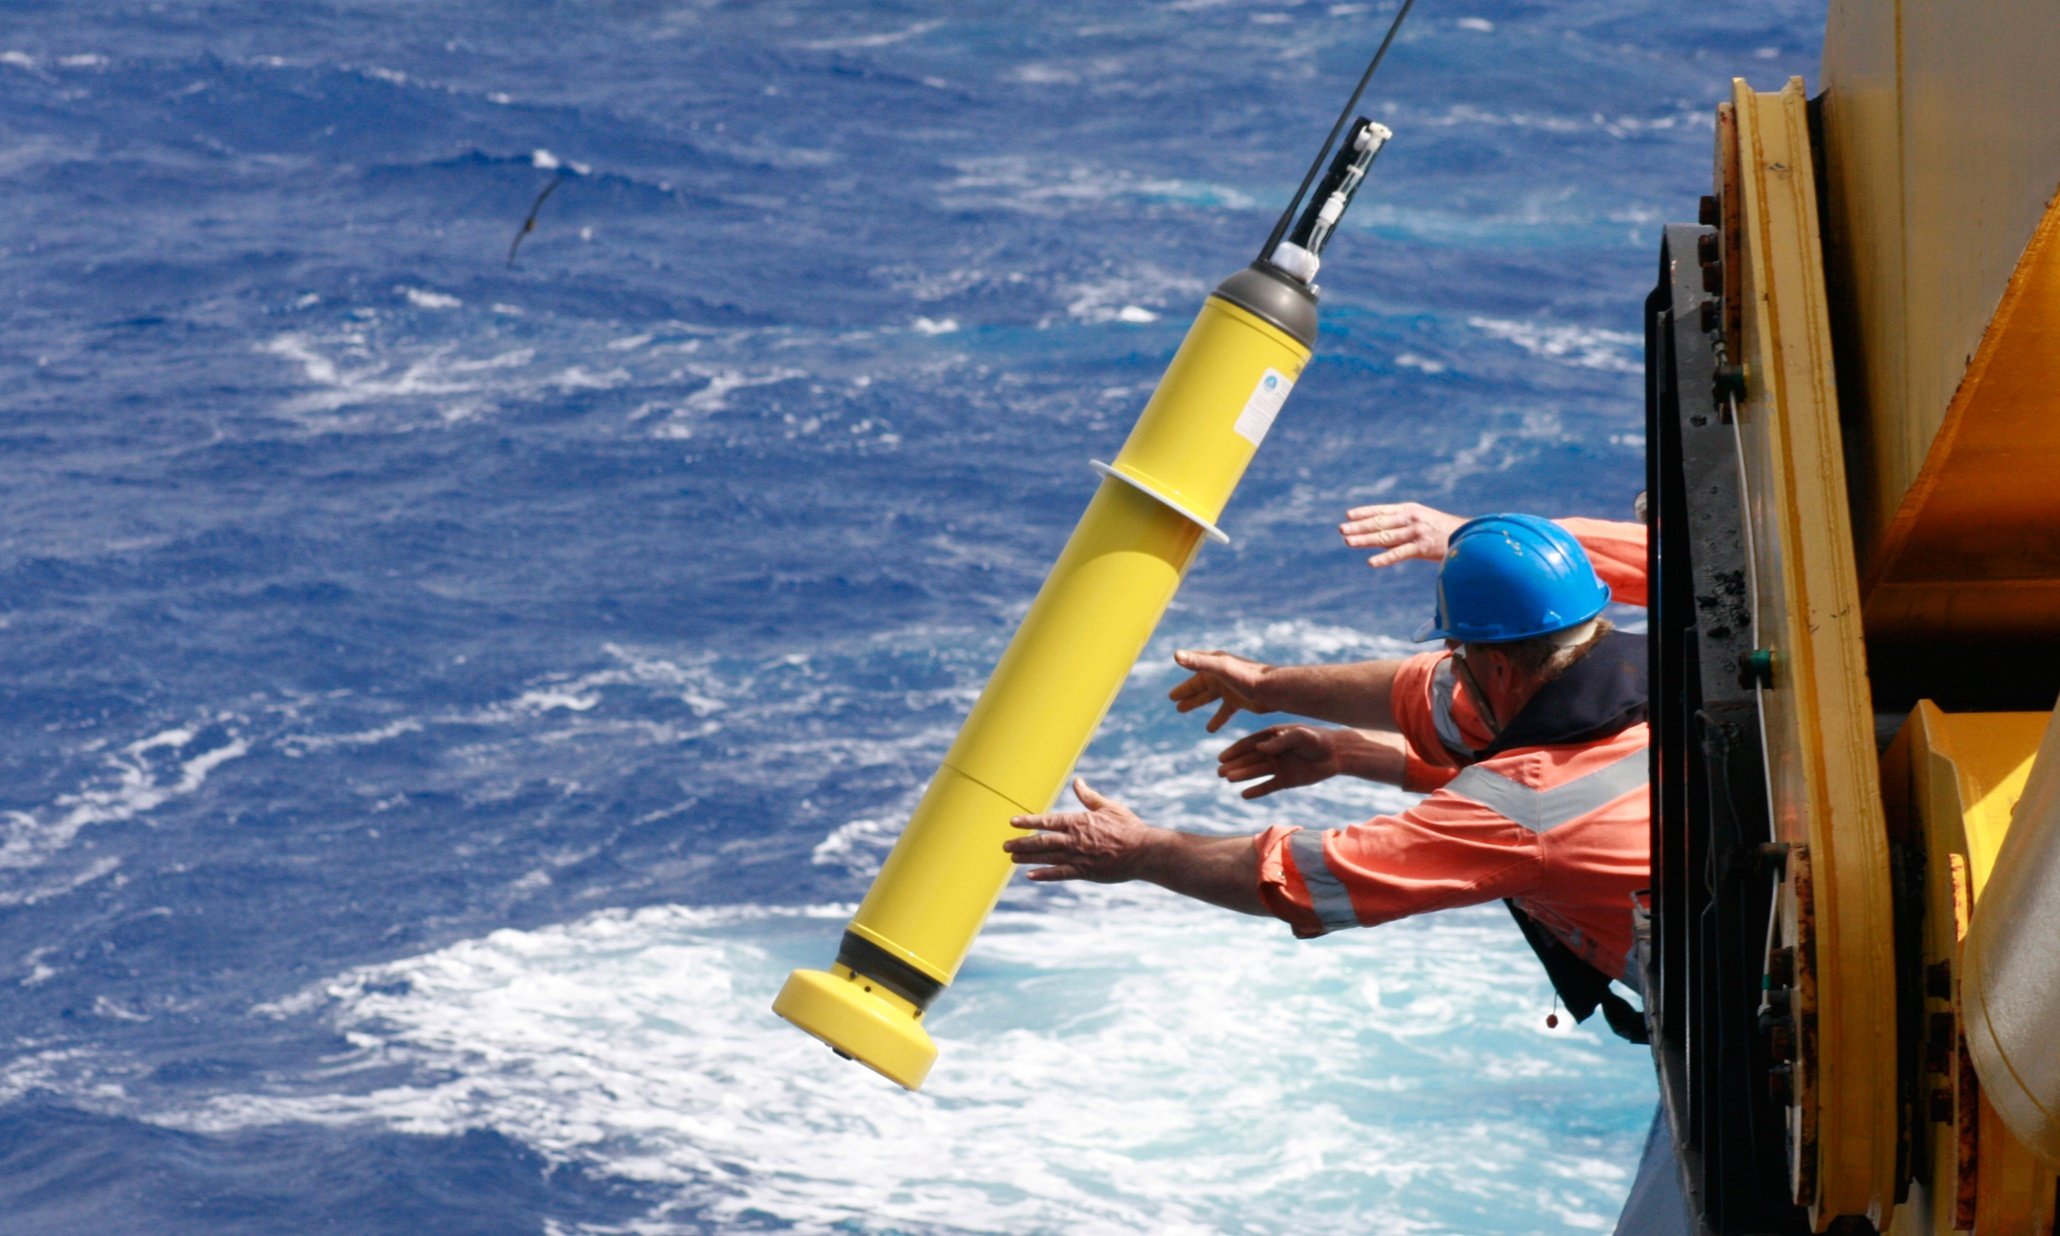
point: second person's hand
(1288, 755)
(1228, 681)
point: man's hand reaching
(1220, 678)
(1298, 755)
(1401, 530)
(1108, 844)
(1288, 755)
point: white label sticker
(1263, 406)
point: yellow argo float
(1085, 630)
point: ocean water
(441, 698)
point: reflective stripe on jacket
(1563, 831)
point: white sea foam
(359, 385)
(1468, 116)
(1044, 74)
(423, 299)
(1045, 187)
(1510, 437)
(1149, 1064)
(579, 378)
(581, 700)
(39, 971)
(133, 781)
(1584, 347)
(547, 161)
(48, 886)
(302, 744)
(1118, 299)
(548, 700)
(714, 396)
(66, 1070)
(1282, 641)
(885, 38)
(1116, 1061)
(859, 846)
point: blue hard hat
(1510, 577)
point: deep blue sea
(441, 698)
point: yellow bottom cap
(860, 1022)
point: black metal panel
(1712, 876)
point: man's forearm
(1371, 755)
(1354, 694)
(1223, 871)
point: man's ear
(1499, 668)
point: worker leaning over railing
(1527, 733)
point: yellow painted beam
(1957, 778)
(1973, 548)
(1941, 126)
(1823, 777)
(2011, 985)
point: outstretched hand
(1106, 843)
(1401, 530)
(1220, 678)
(1288, 755)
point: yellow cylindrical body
(1053, 685)
(1041, 706)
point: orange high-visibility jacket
(1561, 828)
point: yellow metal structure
(1834, 906)
(1973, 549)
(1952, 782)
(1941, 129)
(1940, 161)
(2010, 1001)
(1890, 321)
(1054, 683)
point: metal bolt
(1709, 211)
(1781, 965)
(1708, 249)
(1730, 379)
(1938, 980)
(1712, 316)
(1781, 1085)
(1941, 1107)
(1781, 1039)
(1939, 1041)
(1756, 668)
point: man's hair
(1546, 657)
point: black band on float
(865, 958)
